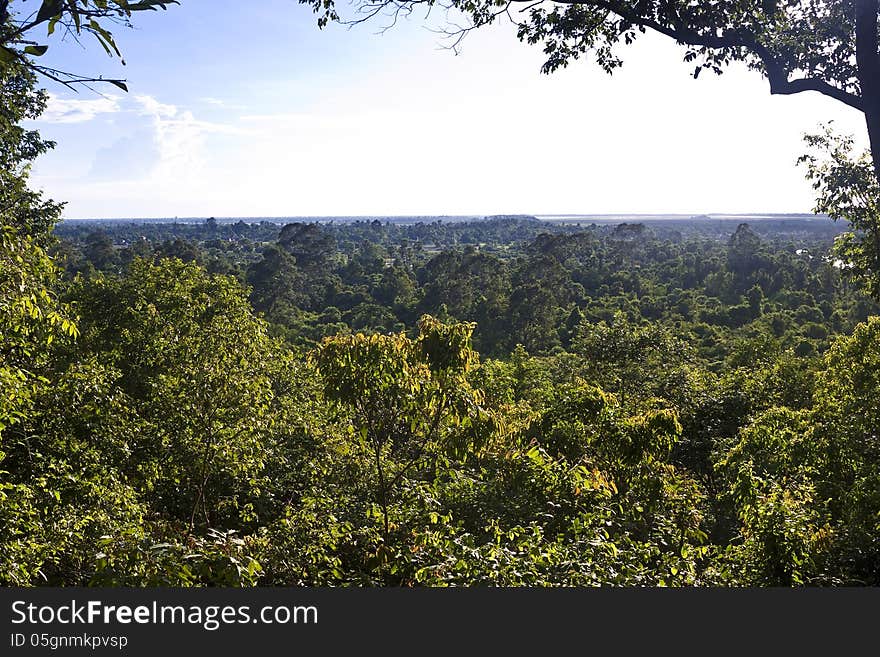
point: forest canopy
(498, 402)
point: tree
(22, 209)
(309, 244)
(309, 249)
(66, 18)
(847, 189)
(809, 45)
(772, 484)
(99, 250)
(474, 287)
(633, 361)
(805, 483)
(275, 280)
(30, 317)
(742, 252)
(202, 376)
(182, 249)
(411, 407)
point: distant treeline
(521, 280)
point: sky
(247, 109)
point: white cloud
(152, 107)
(180, 140)
(74, 110)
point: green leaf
(104, 38)
(36, 51)
(150, 4)
(49, 9)
(119, 83)
(7, 55)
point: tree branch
(776, 74)
(780, 84)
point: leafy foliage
(70, 18)
(848, 189)
(685, 404)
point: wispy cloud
(165, 115)
(164, 147)
(152, 107)
(178, 138)
(74, 110)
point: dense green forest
(505, 402)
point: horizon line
(570, 215)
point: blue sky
(248, 109)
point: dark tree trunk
(868, 61)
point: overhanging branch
(777, 76)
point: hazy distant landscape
(549, 218)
